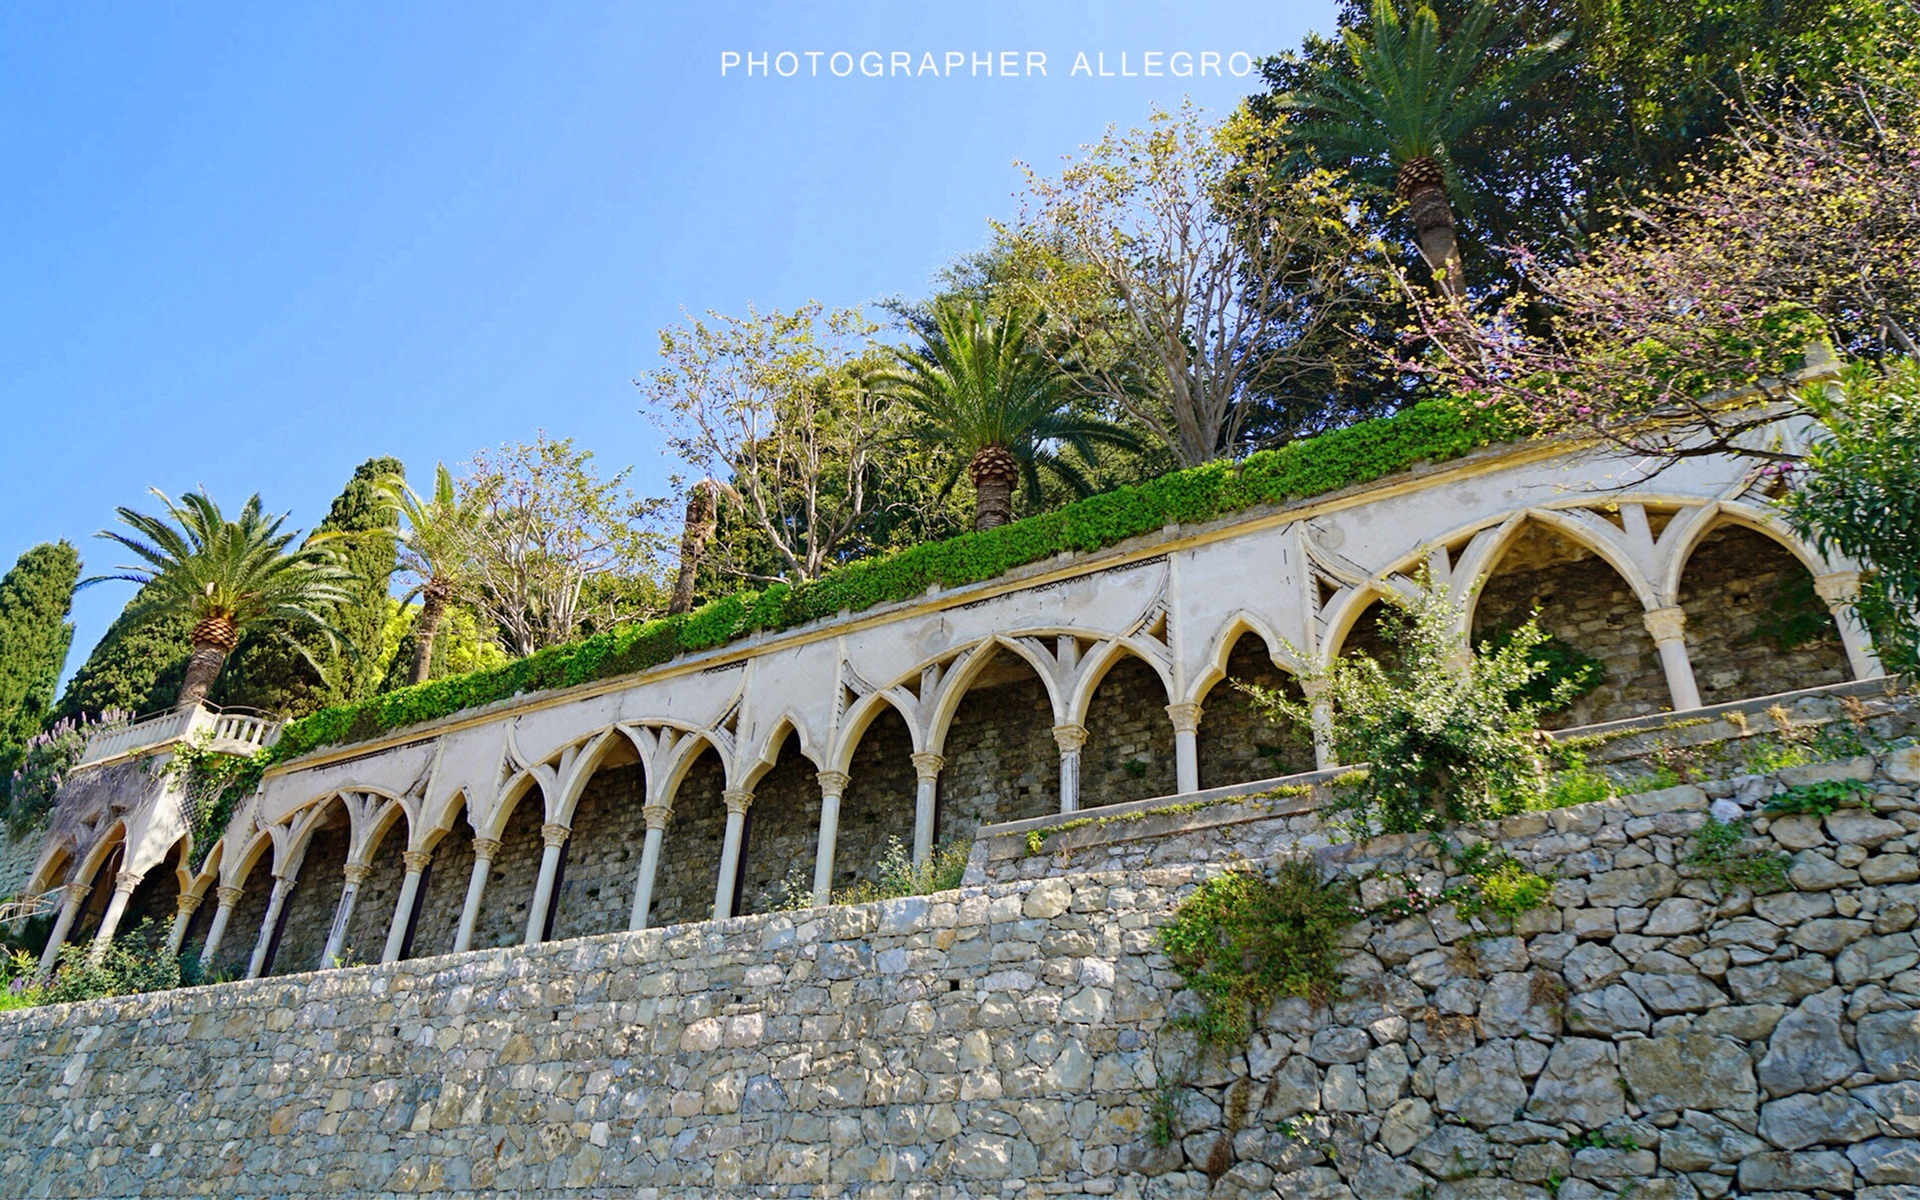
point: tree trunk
(994, 471)
(695, 533)
(1422, 184)
(213, 639)
(433, 604)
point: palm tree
(435, 545)
(1406, 96)
(983, 391)
(229, 576)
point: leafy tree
(1448, 734)
(36, 599)
(983, 392)
(696, 530)
(1197, 276)
(1404, 96)
(461, 644)
(546, 524)
(229, 576)
(137, 666)
(268, 672)
(777, 409)
(436, 546)
(1859, 494)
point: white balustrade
(237, 732)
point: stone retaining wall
(1645, 1033)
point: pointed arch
(756, 767)
(860, 717)
(1102, 659)
(1700, 523)
(1239, 624)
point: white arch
(755, 768)
(1220, 649)
(1102, 659)
(1702, 522)
(860, 718)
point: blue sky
(247, 247)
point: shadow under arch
(1237, 743)
(593, 887)
(1129, 751)
(442, 894)
(878, 805)
(782, 831)
(1755, 625)
(1002, 762)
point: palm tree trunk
(433, 604)
(1422, 185)
(213, 639)
(695, 533)
(994, 471)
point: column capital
(555, 834)
(927, 765)
(1837, 589)
(126, 881)
(486, 849)
(282, 884)
(357, 873)
(416, 860)
(739, 800)
(833, 783)
(185, 903)
(1666, 624)
(656, 815)
(1185, 717)
(1070, 737)
(227, 897)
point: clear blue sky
(248, 246)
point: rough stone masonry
(1644, 1035)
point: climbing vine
(212, 784)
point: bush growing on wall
(1434, 430)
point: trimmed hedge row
(1433, 430)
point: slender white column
(739, 800)
(555, 837)
(1321, 709)
(72, 898)
(356, 874)
(1070, 739)
(184, 906)
(1186, 746)
(416, 861)
(1669, 629)
(1841, 590)
(833, 784)
(276, 901)
(484, 850)
(657, 816)
(227, 898)
(123, 885)
(927, 767)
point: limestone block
(1578, 1085)
(1689, 1071)
(1806, 1052)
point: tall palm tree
(229, 576)
(1403, 98)
(435, 545)
(984, 391)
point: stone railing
(235, 731)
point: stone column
(927, 767)
(123, 885)
(739, 800)
(1841, 590)
(276, 901)
(555, 837)
(184, 906)
(1669, 629)
(226, 898)
(833, 784)
(1186, 746)
(356, 874)
(1315, 690)
(1070, 739)
(656, 816)
(416, 861)
(484, 850)
(72, 898)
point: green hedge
(1433, 430)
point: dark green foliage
(267, 672)
(1431, 431)
(136, 961)
(136, 667)
(1795, 615)
(1559, 663)
(1722, 853)
(1244, 939)
(36, 598)
(1820, 799)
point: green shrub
(1820, 799)
(1721, 851)
(135, 961)
(1433, 430)
(899, 876)
(1245, 939)
(1566, 672)
(17, 987)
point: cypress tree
(36, 600)
(135, 667)
(266, 672)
